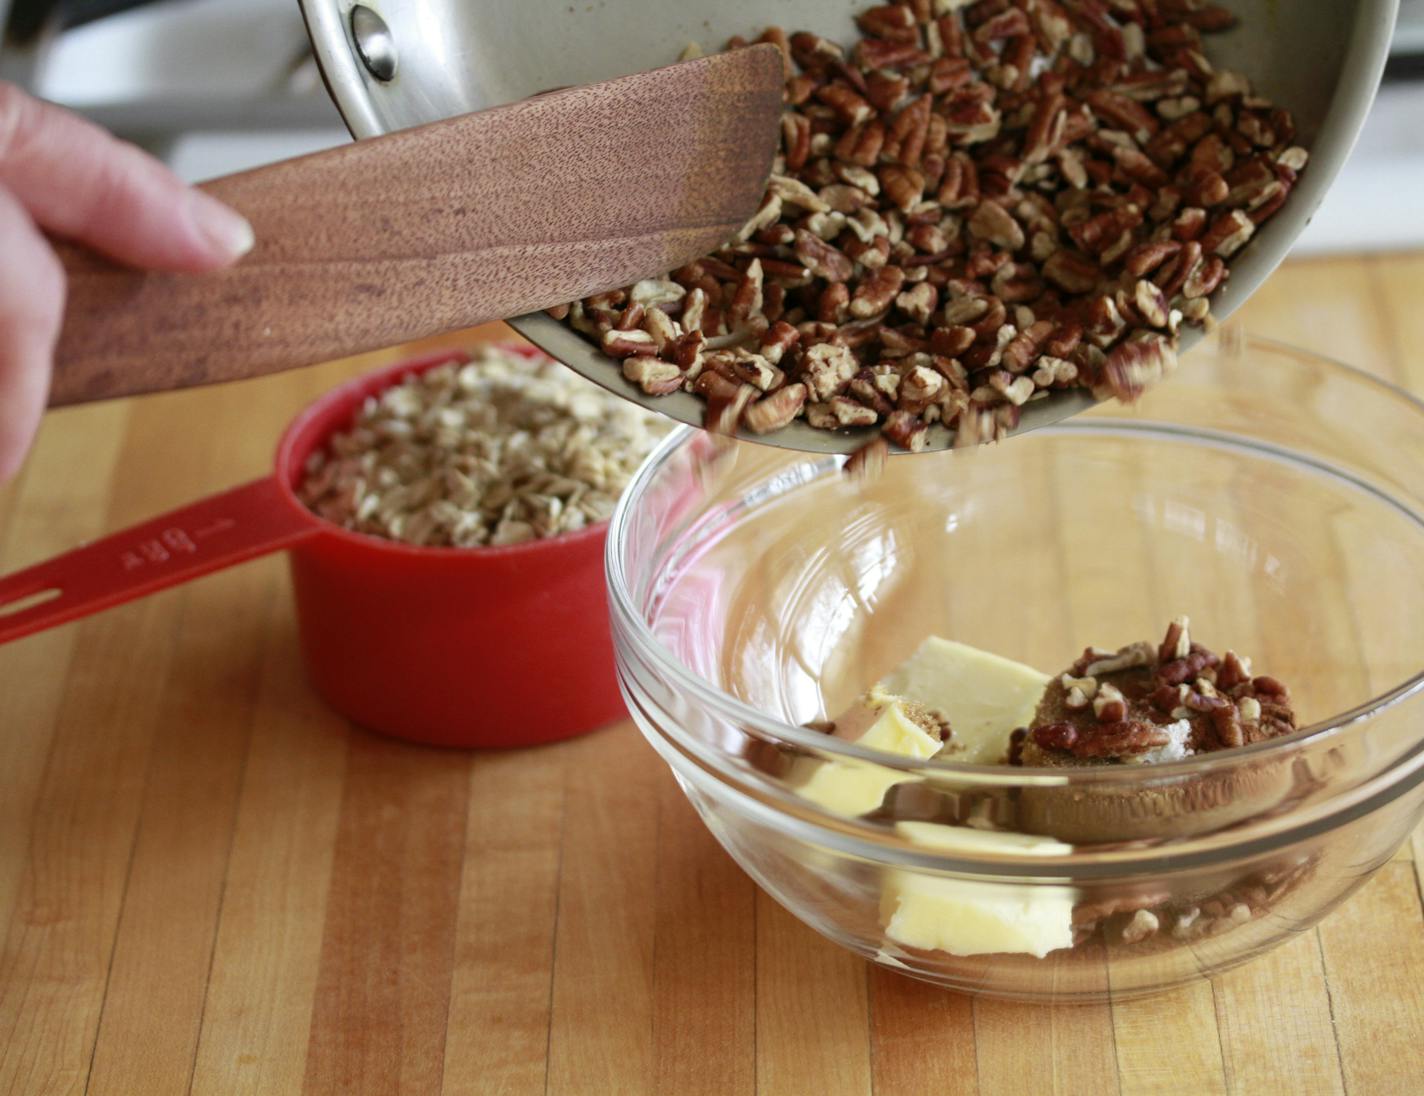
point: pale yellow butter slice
(965, 917)
(853, 788)
(984, 696)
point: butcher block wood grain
(210, 883)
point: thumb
(31, 302)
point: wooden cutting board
(210, 883)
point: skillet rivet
(373, 42)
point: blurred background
(214, 86)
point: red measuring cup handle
(193, 540)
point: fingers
(31, 304)
(80, 182)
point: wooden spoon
(480, 217)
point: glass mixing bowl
(1275, 497)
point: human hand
(63, 175)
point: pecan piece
(902, 185)
(833, 304)
(1150, 303)
(1023, 350)
(624, 344)
(918, 302)
(724, 412)
(1132, 367)
(906, 430)
(905, 142)
(1120, 739)
(795, 193)
(844, 100)
(776, 410)
(812, 52)
(869, 460)
(995, 224)
(877, 53)
(874, 294)
(1204, 278)
(755, 370)
(1145, 258)
(1071, 271)
(821, 259)
(862, 144)
(886, 89)
(778, 339)
(827, 370)
(851, 412)
(1228, 234)
(653, 376)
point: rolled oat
(499, 450)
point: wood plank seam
(1216, 1008)
(554, 939)
(453, 944)
(659, 834)
(268, 619)
(178, 615)
(1330, 1006)
(1419, 883)
(756, 987)
(869, 1038)
(978, 1065)
(1112, 1044)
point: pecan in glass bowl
(1272, 495)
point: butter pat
(964, 917)
(853, 788)
(983, 695)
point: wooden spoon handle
(475, 218)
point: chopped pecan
(1228, 234)
(779, 338)
(918, 302)
(821, 259)
(1233, 671)
(725, 412)
(1071, 271)
(903, 186)
(653, 376)
(623, 344)
(827, 369)
(874, 295)
(834, 304)
(1131, 367)
(755, 370)
(851, 412)
(967, 174)
(867, 461)
(774, 411)
(1204, 278)
(862, 144)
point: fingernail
(223, 227)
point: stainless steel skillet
(396, 63)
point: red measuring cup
(504, 646)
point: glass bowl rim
(743, 714)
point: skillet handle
(183, 544)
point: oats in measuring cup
(500, 450)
